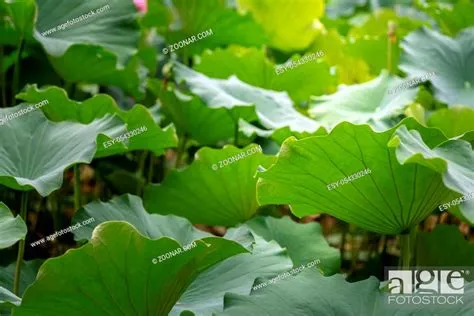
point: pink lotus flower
(141, 5)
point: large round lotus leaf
(35, 151)
(304, 242)
(206, 294)
(371, 102)
(290, 24)
(101, 34)
(129, 208)
(273, 109)
(61, 108)
(390, 199)
(113, 274)
(12, 228)
(252, 67)
(436, 248)
(309, 293)
(426, 51)
(228, 27)
(226, 191)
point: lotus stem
(21, 246)
(2, 77)
(141, 168)
(407, 248)
(151, 168)
(16, 71)
(354, 247)
(236, 133)
(77, 187)
(391, 41)
(181, 148)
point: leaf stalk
(21, 246)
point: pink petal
(141, 5)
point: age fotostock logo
(426, 286)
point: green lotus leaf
(228, 26)
(113, 274)
(426, 51)
(309, 293)
(252, 67)
(349, 69)
(61, 108)
(189, 114)
(205, 294)
(278, 135)
(130, 208)
(102, 35)
(226, 191)
(326, 174)
(50, 150)
(12, 228)
(436, 248)
(373, 102)
(304, 242)
(274, 16)
(454, 159)
(273, 109)
(454, 121)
